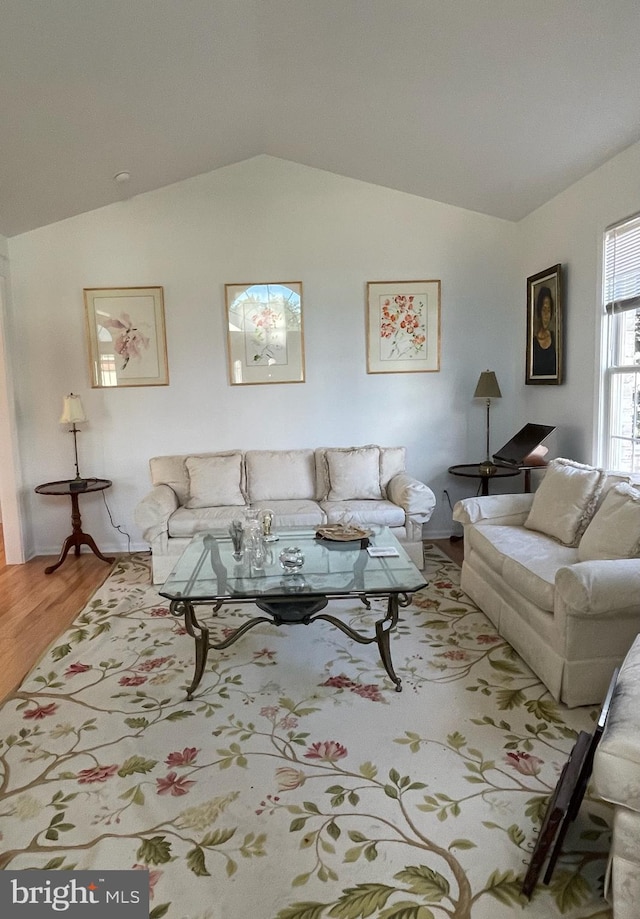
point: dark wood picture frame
(545, 341)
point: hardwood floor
(455, 550)
(36, 607)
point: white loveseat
(306, 487)
(557, 573)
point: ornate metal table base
(290, 611)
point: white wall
(10, 490)
(569, 229)
(261, 220)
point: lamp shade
(487, 387)
(72, 410)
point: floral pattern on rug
(297, 784)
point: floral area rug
(297, 784)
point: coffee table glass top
(208, 570)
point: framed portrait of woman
(544, 327)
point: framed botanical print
(126, 336)
(403, 326)
(265, 332)
(544, 327)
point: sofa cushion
(527, 561)
(392, 463)
(185, 523)
(214, 481)
(280, 475)
(296, 512)
(354, 473)
(614, 531)
(364, 513)
(565, 500)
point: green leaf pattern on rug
(296, 766)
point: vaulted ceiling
(491, 105)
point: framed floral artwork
(126, 336)
(265, 332)
(544, 328)
(403, 326)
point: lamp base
(487, 468)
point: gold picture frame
(126, 336)
(403, 326)
(265, 332)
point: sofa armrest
(602, 588)
(414, 497)
(509, 510)
(153, 511)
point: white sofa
(557, 573)
(306, 487)
(616, 778)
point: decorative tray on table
(344, 533)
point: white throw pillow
(614, 531)
(354, 473)
(566, 500)
(214, 481)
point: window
(621, 379)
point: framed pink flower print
(403, 326)
(126, 336)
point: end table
(77, 538)
(473, 471)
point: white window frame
(619, 449)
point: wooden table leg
(77, 538)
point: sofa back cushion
(614, 531)
(215, 481)
(566, 500)
(280, 475)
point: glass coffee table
(209, 574)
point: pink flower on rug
(132, 680)
(96, 774)
(487, 639)
(159, 611)
(288, 723)
(154, 877)
(154, 663)
(328, 750)
(524, 763)
(73, 669)
(368, 691)
(269, 711)
(443, 585)
(173, 785)
(185, 758)
(341, 681)
(425, 602)
(41, 711)
(289, 778)
(456, 655)
(264, 653)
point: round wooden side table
(74, 488)
(472, 471)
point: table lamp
(73, 414)
(488, 389)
